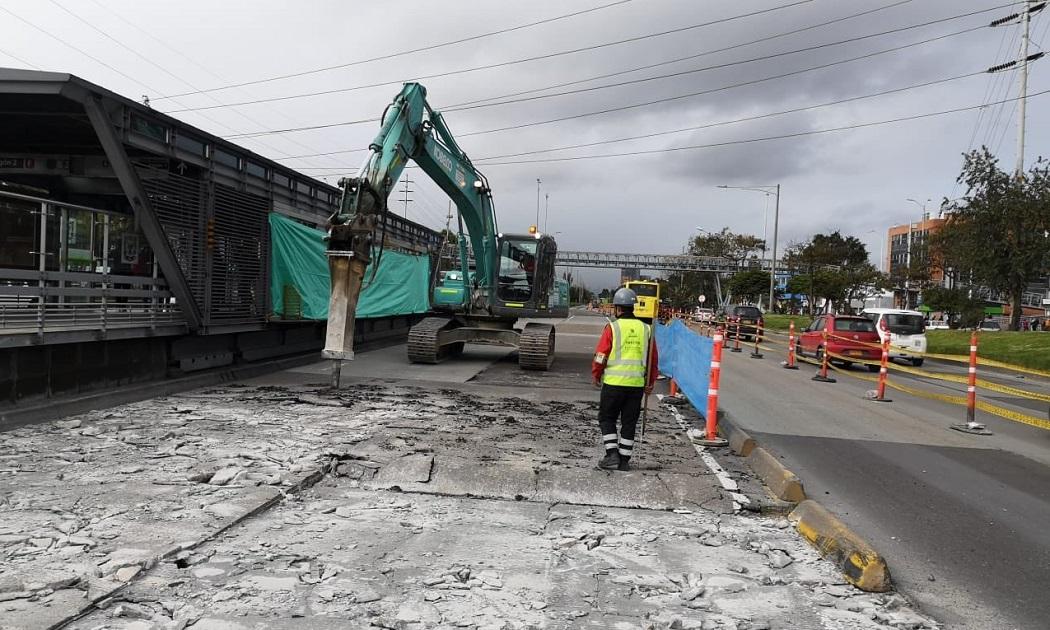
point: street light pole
(908, 259)
(776, 226)
(773, 258)
(537, 203)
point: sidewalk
(435, 506)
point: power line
(207, 70)
(607, 75)
(992, 79)
(82, 52)
(761, 139)
(19, 59)
(727, 143)
(794, 110)
(736, 120)
(420, 49)
(693, 56)
(644, 104)
(723, 88)
(549, 56)
(165, 71)
(457, 108)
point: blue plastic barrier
(685, 356)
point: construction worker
(624, 367)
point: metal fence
(36, 302)
(70, 268)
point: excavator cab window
(517, 269)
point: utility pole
(1023, 60)
(1026, 20)
(406, 181)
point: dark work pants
(624, 403)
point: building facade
(908, 247)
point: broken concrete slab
(414, 468)
(583, 486)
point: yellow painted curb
(862, 566)
(739, 441)
(784, 484)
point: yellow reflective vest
(626, 366)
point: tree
(448, 236)
(749, 285)
(833, 267)
(683, 288)
(997, 233)
(955, 304)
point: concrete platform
(182, 511)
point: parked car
(748, 318)
(989, 325)
(906, 331)
(850, 336)
(703, 315)
(937, 324)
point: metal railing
(39, 302)
(1028, 298)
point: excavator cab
(525, 285)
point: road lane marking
(727, 482)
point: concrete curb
(783, 483)
(862, 566)
(739, 441)
(858, 561)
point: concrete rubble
(389, 506)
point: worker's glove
(648, 389)
(597, 384)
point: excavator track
(424, 341)
(536, 347)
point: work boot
(624, 466)
(610, 462)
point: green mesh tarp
(299, 281)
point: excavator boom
(410, 130)
(512, 275)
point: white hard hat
(624, 297)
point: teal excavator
(512, 275)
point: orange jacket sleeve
(601, 354)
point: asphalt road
(964, 521)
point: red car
(848, 336)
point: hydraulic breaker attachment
(349, 252)
(347, 274)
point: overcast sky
(856, 181)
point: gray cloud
(854, 181)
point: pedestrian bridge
(658, 262)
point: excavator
(512, 276)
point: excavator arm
(410, 131)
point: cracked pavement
(464, 497)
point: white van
(906, 329)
